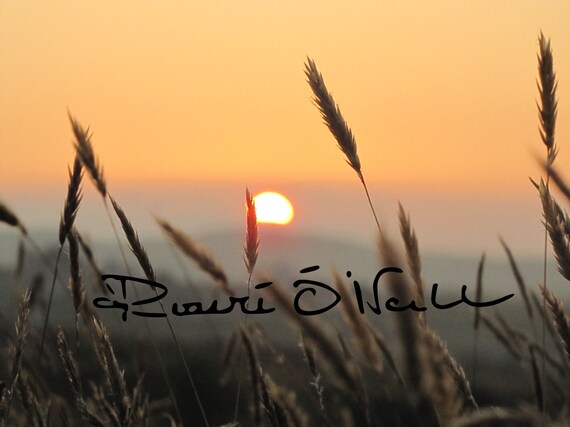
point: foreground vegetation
(343, 375)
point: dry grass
(135, 244)
(519, 278)
(251, 247)
(203, 259)
(331, 115)
(16, 358)
(352, 372)
(10, 218)
(548, 108)
(72, 200)
(561, 321)
(558, 227)
(362, 331)
(84, 149)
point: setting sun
(273, 208)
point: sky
(187, 97)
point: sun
(273, 208)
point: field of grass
(111, 364)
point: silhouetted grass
(347, 372)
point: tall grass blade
(331, 115)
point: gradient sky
(437, 93)
(440, 95)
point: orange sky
(439, 94)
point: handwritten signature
(118, 298)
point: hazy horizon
(466, 224)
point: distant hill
(282, 255)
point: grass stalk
(251, 251)
(333, 119)
(547, 116)
(70, 209)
